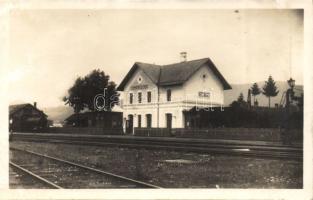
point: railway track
(58, 173)
(263, 150)
(21, 178)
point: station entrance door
(129, 124)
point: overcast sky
(49, 49)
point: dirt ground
(172, 169)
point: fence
(237, 117)
(265, 134)
(87, 130)
(154, 132)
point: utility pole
(249, 98)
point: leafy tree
(255, 91)
(82, 94)
(270, 89)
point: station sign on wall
(204, 94)
(139, 87)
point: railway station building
(158, 96)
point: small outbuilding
(26, 117)
(103, 119)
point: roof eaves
(211, 65)
(127, 77)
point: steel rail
(234, 152)
(222, 149)
(35, 175)
(169, 143)
(153, 140)
(90, 168)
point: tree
(270, 89)
(82, 94)
(240, 98)
(240, 103)
(255, 91)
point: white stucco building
(156, 96)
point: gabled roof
(14, 108)
(152, 71)
(17, 107)
(173, 74)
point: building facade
(156, 96)
(102, 119)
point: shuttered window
(139, 97)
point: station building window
(131, 96)
(139, 97)
(168, 117)
(149, 120)
(139, 121)
(149, 97)
(169, 95)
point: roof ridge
(16, 107)
(206, 58)
(167, 65)
(20, 104)
(147, 64)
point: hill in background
(59, 113)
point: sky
(49, 49)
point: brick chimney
(35, 104)
(183, 56)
